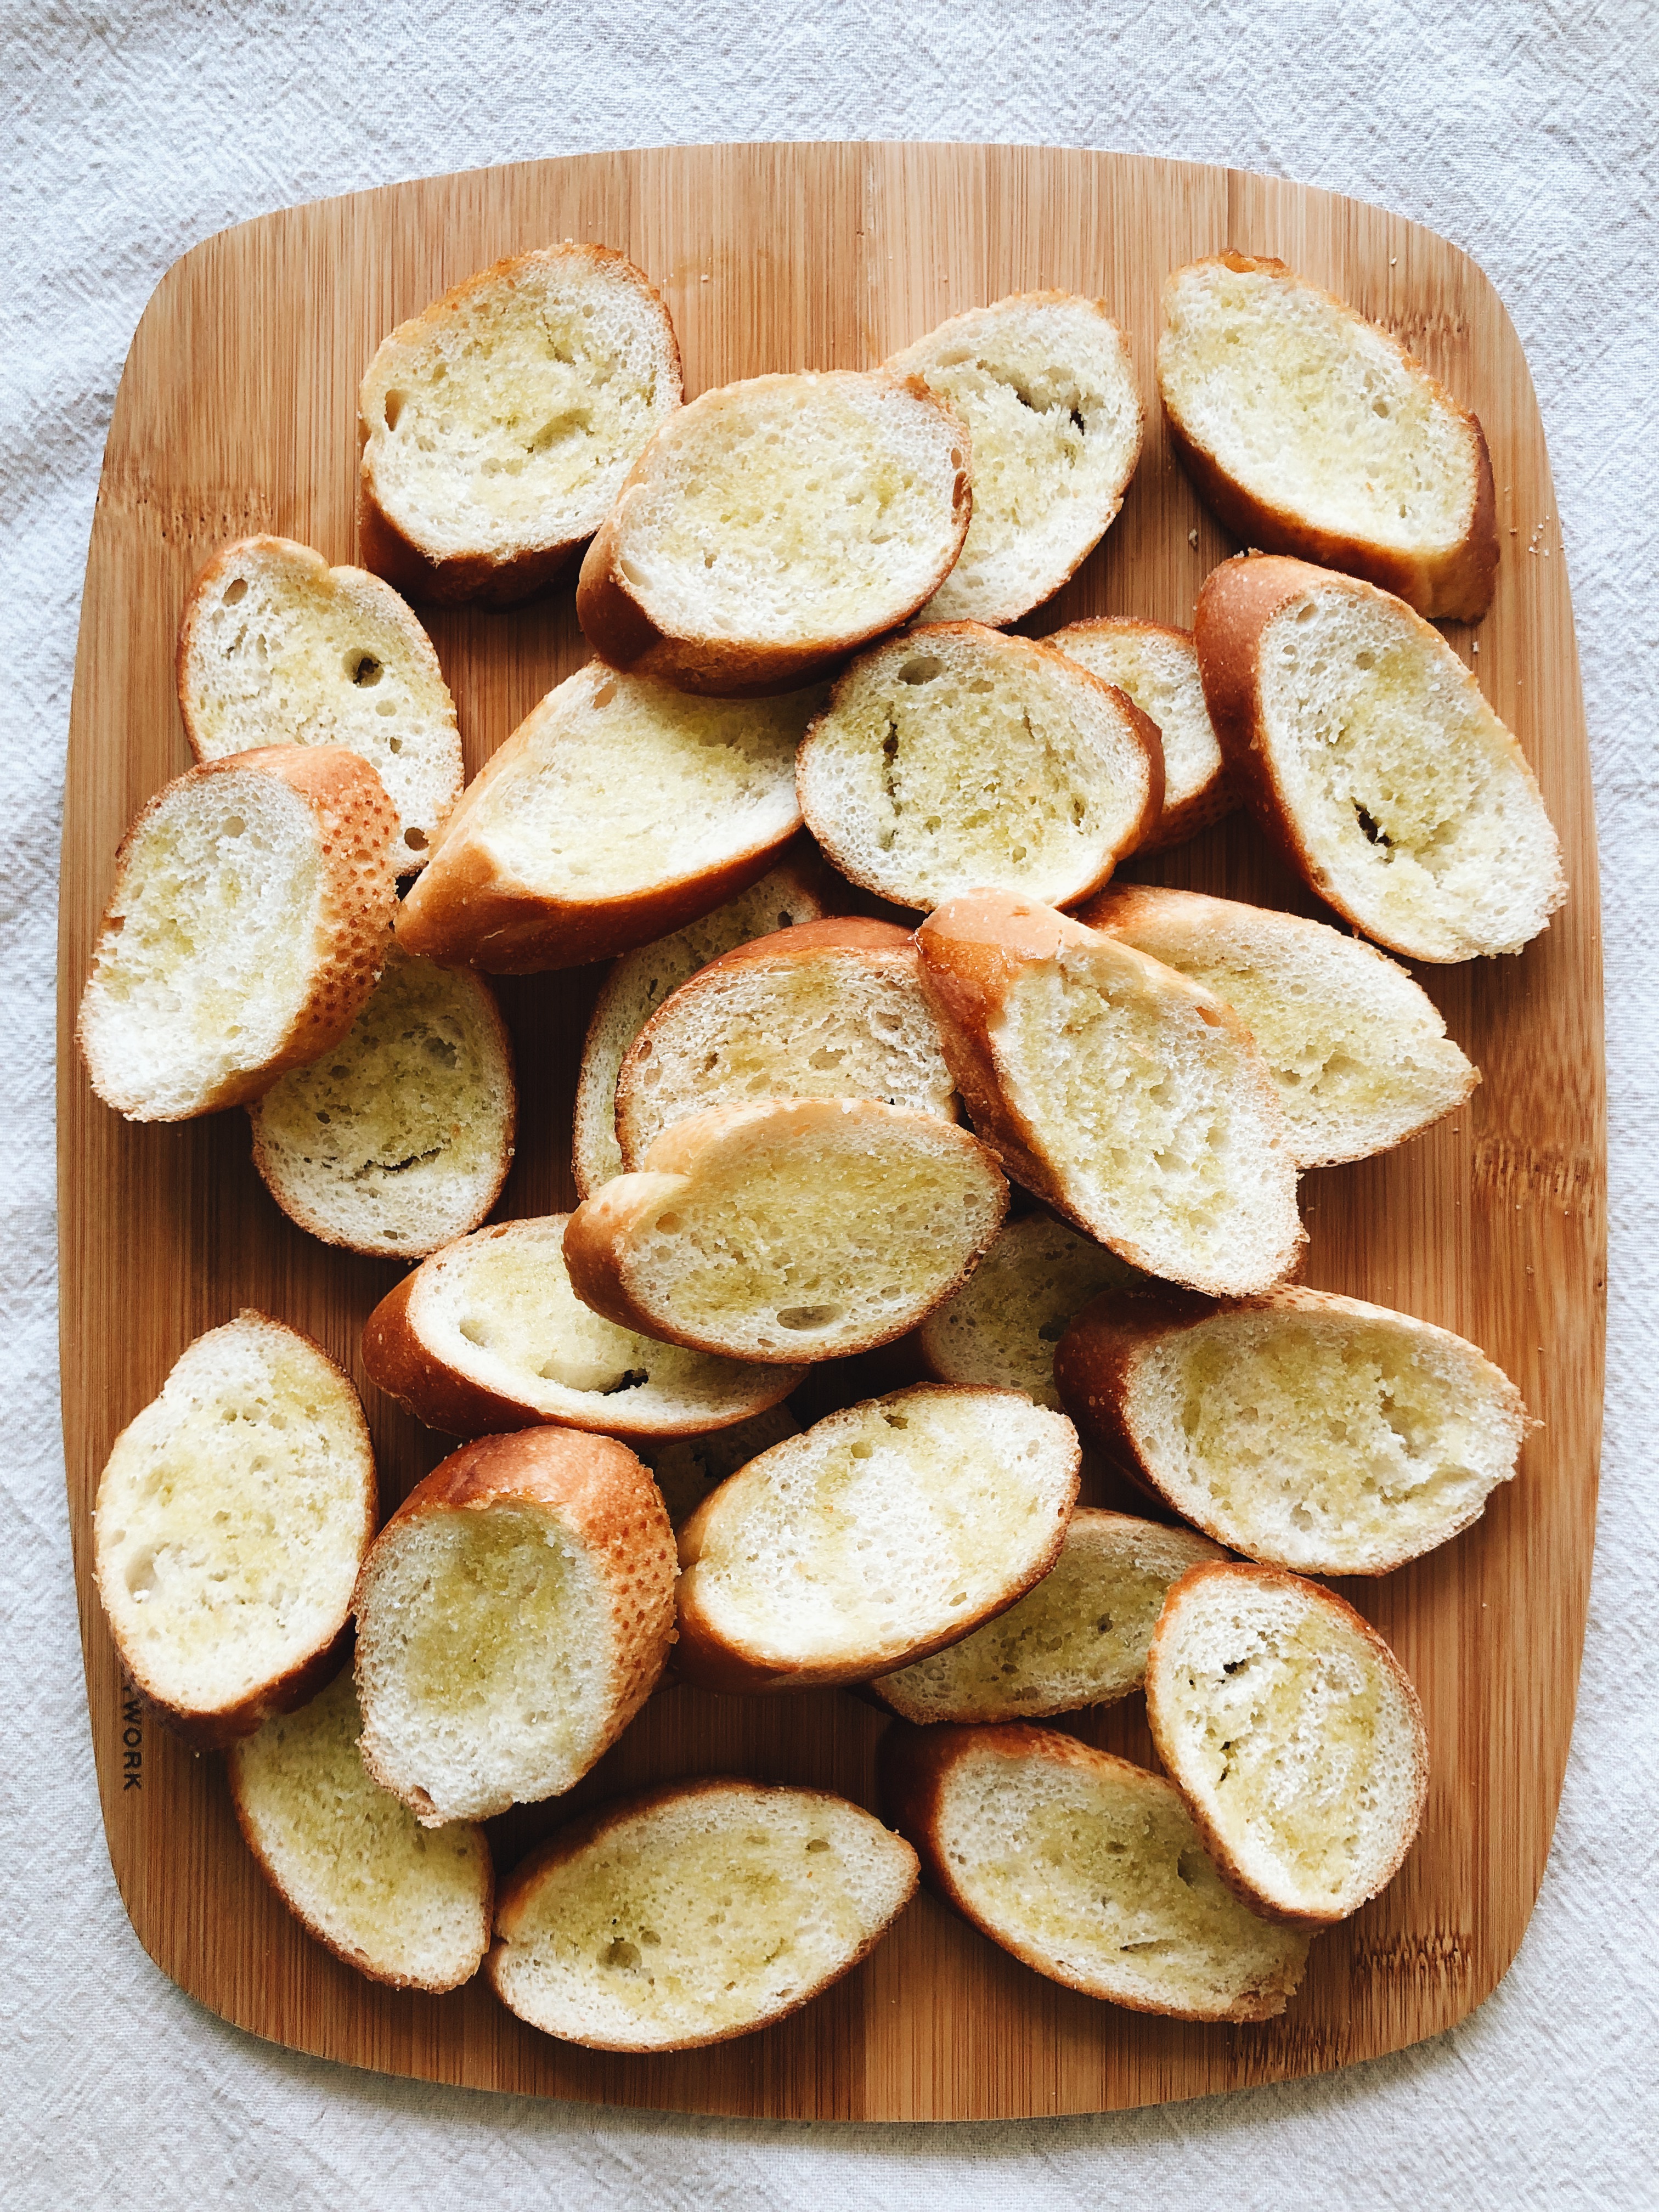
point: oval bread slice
(1089, 1870)
(693, 1912)
(1000, 1330)
(1157, 668)
(688, 1469)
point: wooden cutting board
(236, 413)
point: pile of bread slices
(813, 1072)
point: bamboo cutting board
(236, 413)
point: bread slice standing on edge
(688, 1469)
(512, 1616)
(883, 1533)
(1089, 1870)
(1358, 1050)
(1044, 382)
(1001, 1328)
(488, 1334)
(1370, 756)
(953, 756)
(277, 649)
(1125, 1098)
(1295, 1736)
(618, 809)
(1310, 431)
(498, 424)
(1305, 1430)
(1156, 668)
(251, 915)
(356, 1869)
(773, 526)
(229, 1525)
(795, 1228)
(693, 1913)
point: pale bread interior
(1001, 1328)
(1157, 668)
(687, 1468)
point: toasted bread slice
(355, 1867)
(1305, 1430)
(688, 1469)
(886, 1532)
(693, 1912)
(512, 1617)
(277, 648)
(617, 810)
(773, 526)
(498, 424)
(400, 1138)
(1125, 1098)
(1044, 382)
(1310, 431)
(954, 756)
(826, 1010)
(230, 1522)
(1087, 1868)
(794, 1229)
(1358, 1051)
(1293, 1733)
(1367, 752)
(250, 917)
(1000, 1330)
(489, 1335)
(1157, 668)
(1079, 1638)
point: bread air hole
(235, 592)
(922, 670)
(806, 1317)
(392, 409)
(361, 667)
(415, 840)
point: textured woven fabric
(1526, 134)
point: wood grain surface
(236, 413)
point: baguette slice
(953, 756)
(1125, 1098)
(794, 1229)
(1079, 1638)
(1044, 382)
(1307, 430)
(354, 1866)
(617, 810)
(773, 526)
(498, 424)
(513, 1616)
(401, 1136)
(826, 1010)
(693, 1912)
(277, 648)
(1156, 668)
(1000, 1330)
(1089, 1870)
(886, 1532)
(489, 1335)
(1293, 1733)
(1357, 1051)
(1305, 1430)
(251, 915)
(1365, 750)
(230, 1522)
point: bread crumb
(1192, 537)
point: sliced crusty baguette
(617, 811)
(1087, 1868)
(512, 1616)
(1044, 382)
(354, 1866)
(1157, 668)
(688, 1469)
(1367, 751)
(1128, 1099)
(1358, 1050)
(693, 1912)
(954, 756)
(1310, 431)
(489, 1335)
(882, 1533)
(1001, 1328)
(1302, 1429)
(230, 1522)
(1294, 1735)
(277, 648)
(793, 1229)
(251, 915)
(498, 424)
(399, 1137)
(1079, 1638)
(826, 1010)
(771, 527)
